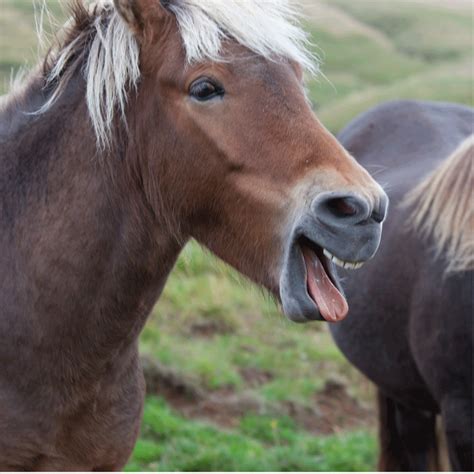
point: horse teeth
(342, 263)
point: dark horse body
(139, 133)
(410, 326)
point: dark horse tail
(411, 446)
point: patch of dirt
(222, 407)
(255, 377)
(341, 411)
(334, 409)
(161, 380)
(210, 328)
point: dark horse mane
(31, 89)
(79, 22)
(77, 32)
(69, 57)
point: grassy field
(232, 385)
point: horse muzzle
(339, 229)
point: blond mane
(99, 39)
(443, 208)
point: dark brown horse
(150, 123)
(410, 327)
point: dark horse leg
(458, 423)
(407, 437)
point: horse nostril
(378, 216)
(380, 212)
(341, 207)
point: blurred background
(231, 384)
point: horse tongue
(332, 305)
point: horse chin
(309, 287)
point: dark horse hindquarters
(409, 327)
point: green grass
(169, 442)
(423, 31)
(451, 83)
(347, 57)
(426, 53)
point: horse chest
(96, 433)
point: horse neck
(85, 259)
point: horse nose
(379, 211)
(342, 209)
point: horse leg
(457, 418)
(407, 437)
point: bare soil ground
(334, 409)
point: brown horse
(150, 123)
(410, 326)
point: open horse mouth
(321, 281)
(346, 225)
(310, 288)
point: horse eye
(205, 89)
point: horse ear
(134, 12)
